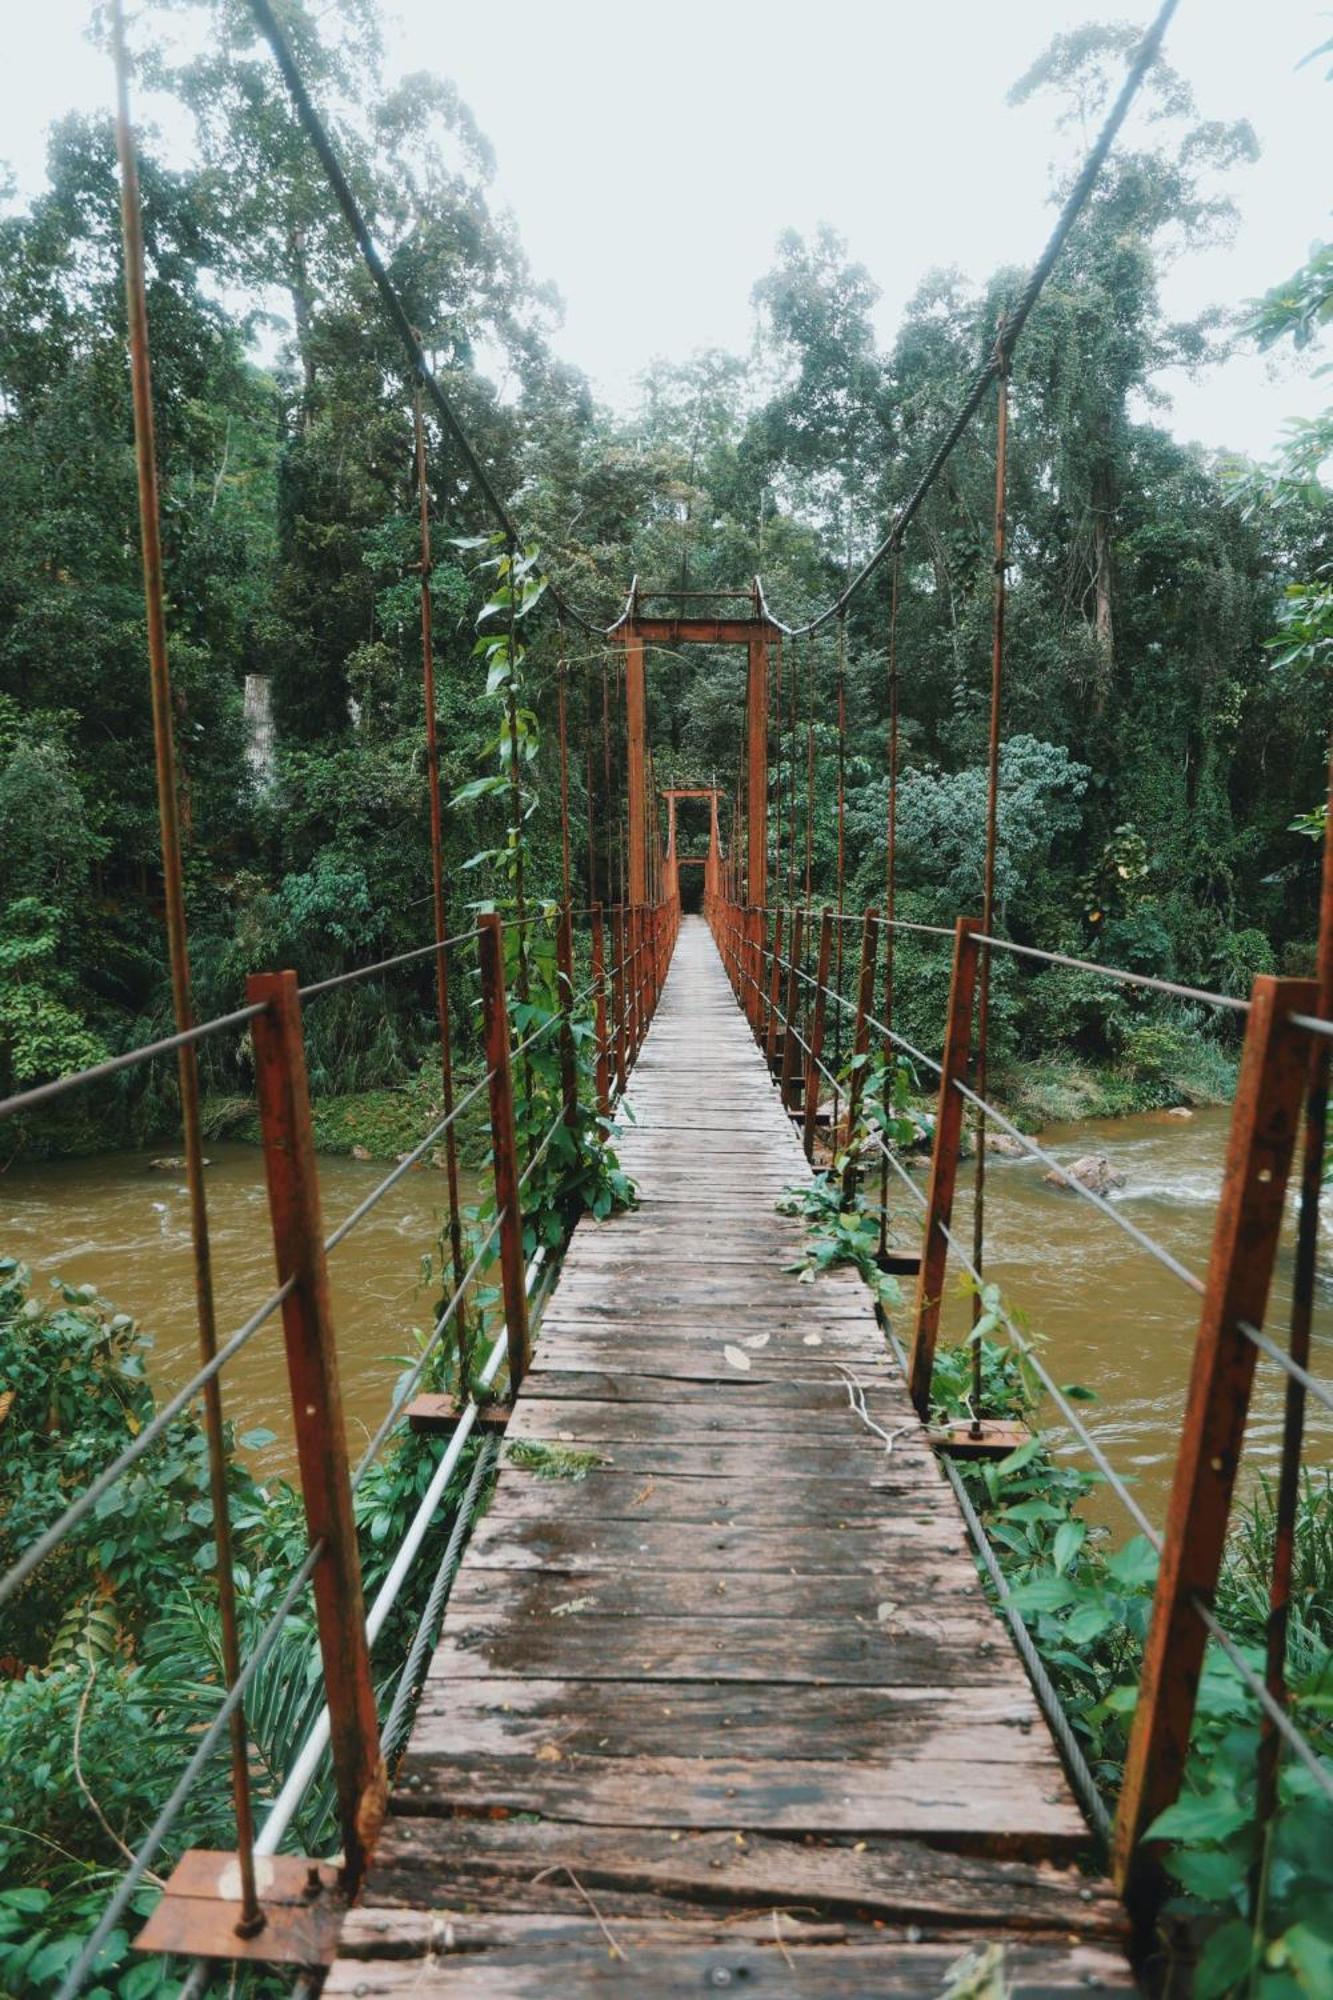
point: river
(1106, 1315)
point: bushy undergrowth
(1253, 1912)
(111, 1653)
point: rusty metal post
(992, 839)
(756, 855)
(789, 1042)
(812, 1070)
(292, 1174)
(569, 1074)
(442, 1006)
(865, 1000)
(633, 946)
(599, 994)
(1273, 1076)
(944, 1162)
(774, 990)
(636, 725)
(504, 1149)
(250, 1918)
(618, 969)
(1303, 1288)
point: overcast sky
(653, 153)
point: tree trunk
(1102, 514)
(302, 316)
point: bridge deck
(730, 1708)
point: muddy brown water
(1106, 1316)
(1109, 1317)
(118, 1223)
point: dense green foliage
(113, 1647)
(1145, 712)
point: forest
(1163, 730)
(1162, 783)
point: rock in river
(1094, 1172)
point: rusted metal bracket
(439, 1416)
(987, 1439)
(300, 1901)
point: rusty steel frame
(944, 1163)
(865, 1000)
(442, 999)
(504, 1149)
(599, 993)
(1273, 1078)
(789, 1042)
(810, 1102)
(292, 1174)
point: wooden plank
(536, 1965)
(552, 1720)
(559, 1546)
(980, 1809)
(738, 1671)
(502, 1865)
(924, 1644)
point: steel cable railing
(208, 1742)
(743, 941)
(1321, 1390)
(635, 972)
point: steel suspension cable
(251, 1918)
(443, 1012)
(1015, 321)
(420, 368)
(988, 882)
(890, 885)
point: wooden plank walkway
(729, 1710)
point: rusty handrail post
(774, 989)
(865, 1000)
(789, 1042)
(292, 1175)
(1269, 1094)
(618, 970)
(812, 1071)
(504, 1148)
(599, 993)
(632, 985)
(569, 1075)
(944, 1162)
(754, 929)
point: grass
(552, 1461)
(380, 1123)
(1060, 1090)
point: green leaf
(1199, 1816)
(1310, 1954)
(1069, 1539)
(1134, 1566)
(1088, 1622)
(1225, 1960)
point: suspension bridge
(719, 1681)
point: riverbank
(1058, 1089)
(377, 1124)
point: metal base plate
(997, 1439)
(440, 1415)
(302, 1903)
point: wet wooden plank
(534, 1964)
(519, 1866)
(562, 1547)
(536, 1718)
(737, 1672)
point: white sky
(653, 153)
